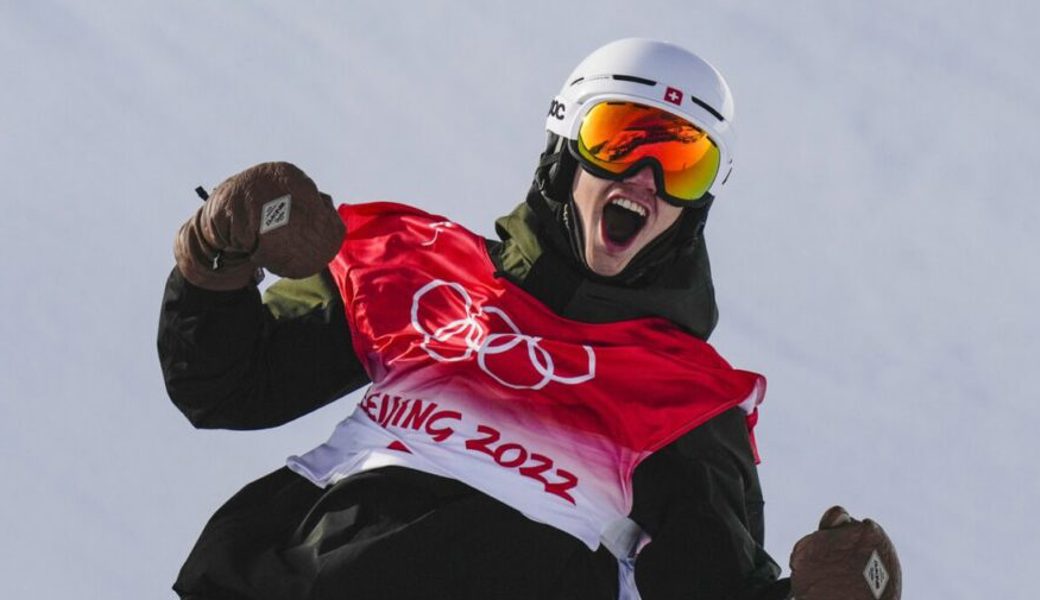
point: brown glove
(272, 216)
(845, 560)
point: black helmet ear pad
(556, 170)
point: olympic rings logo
(461, 338)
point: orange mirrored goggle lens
(615, 136)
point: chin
(605, 268)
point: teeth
(632, 206)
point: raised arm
(230, 360)
(700, 500)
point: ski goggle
(617, 139)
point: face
(619, 218)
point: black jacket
(233, 361)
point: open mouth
(622, 220)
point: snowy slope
(874, 253)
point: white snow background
(874, 252)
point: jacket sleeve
(232, 361)
(700, 500)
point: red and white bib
(476, 380)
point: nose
(643, 178)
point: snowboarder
(544, 419)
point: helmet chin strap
(572, 223)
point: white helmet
(651, 73)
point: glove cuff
(208, 267)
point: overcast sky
(874, 252)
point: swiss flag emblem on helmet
(674, 96)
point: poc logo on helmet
(557, 109)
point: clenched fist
(272, 216)
(845, 559)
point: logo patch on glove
(275, 213)
(876, 575)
